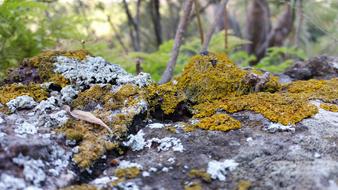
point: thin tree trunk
(156, 19)
(117, 35)
(258, 26)
(169, 71)
(199, 21)
(219, 17)
(134, 31)
(300, 19)
(280, 32)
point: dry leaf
(86, 116)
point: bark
(117, 35)
(300, 20)
(199, 21)
(134, 29)
(280, 32)
(184, 20)
(258, 26)
(156, 19)
(211, 31)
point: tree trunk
(280, 32)
(300, 19)
(156, 19)
(134, 29)
(219, 18)
(184, 20)
(258, 26)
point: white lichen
(68, 93)
(33, 169)
(136, 142)
(95, 70)
(277, 127)
(166, 143)
(25, 128)
(102, 182)
(11, 182)
(155, 126)
(219, 169)
(47, 106)
(127, 164)
(21, 102)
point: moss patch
(128, 173)
(80, 187)
(199, 173)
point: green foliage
(25, 30)
(278, 59)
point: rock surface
(321, 67)
(43, 147)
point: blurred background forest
(268, 34)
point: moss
(80, 187)
(60, 80)
(329, 107)
(92, 139)
(244, 185)
(128, 173)
(198, 173)
(11, 91)
(193, 186)
(220, 122)
(96, 95)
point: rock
(21, 102)
(321, 67)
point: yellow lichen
(128, 173)
(326, 90)
(278, 107)
(329, 107)
(12, 91)
(220, 122)
(244, 185)
(189, 128)
(199, 173)
(80, 187)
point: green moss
(199, 173)
(329, 107)
(11, 91)
(128, 173)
